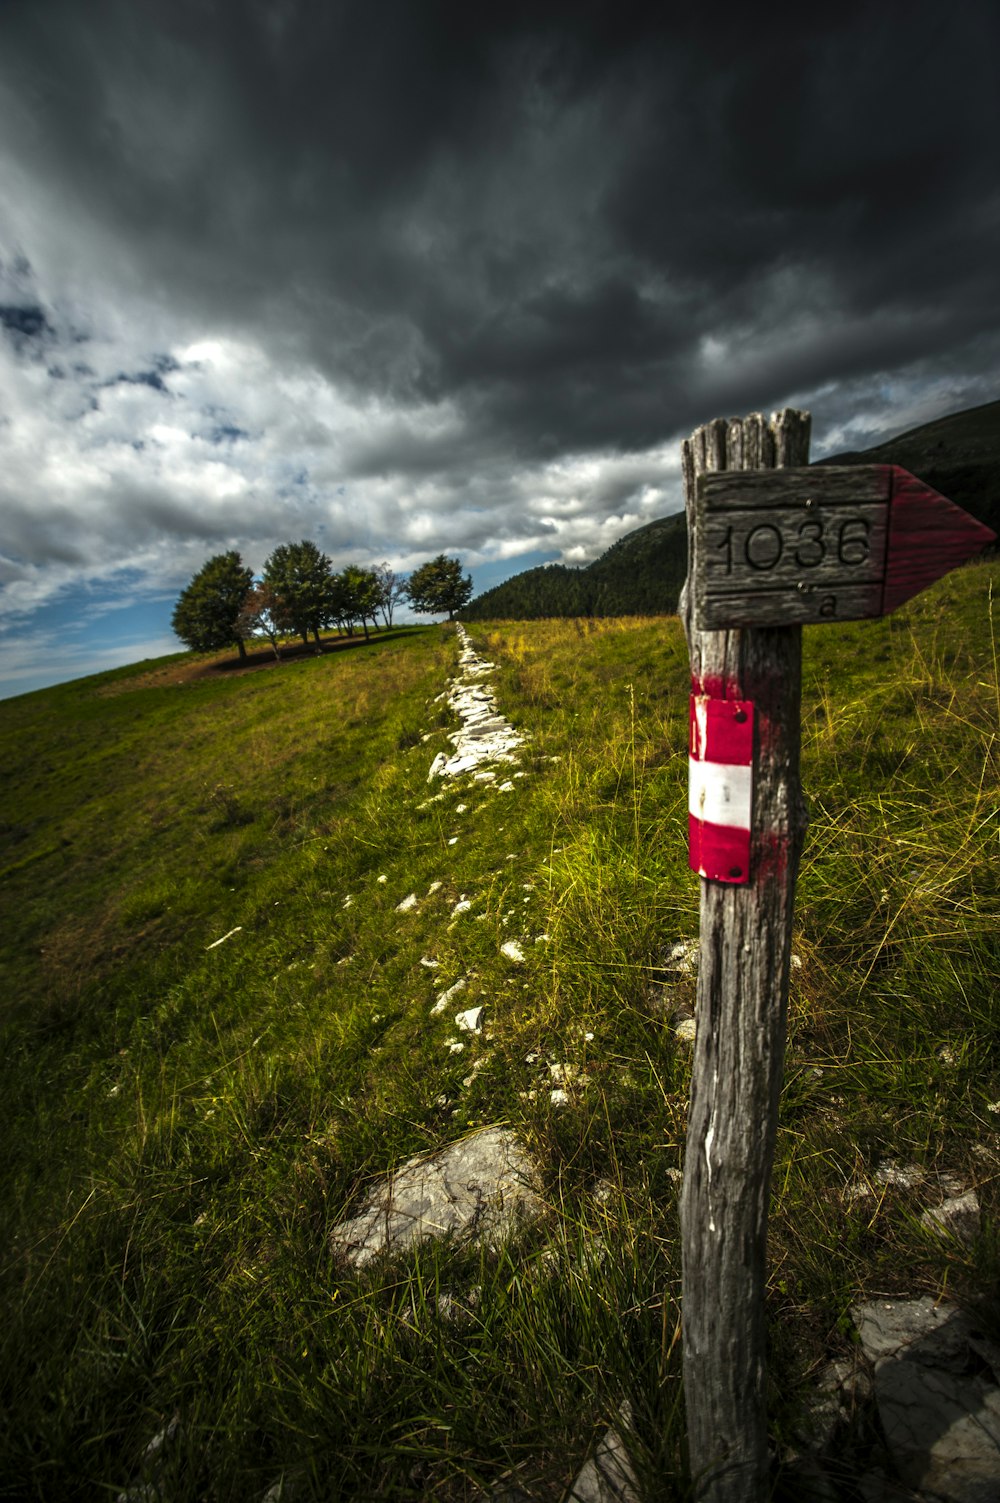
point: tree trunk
(242, 647)
(741, 1013)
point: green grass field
(184, 1121)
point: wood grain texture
(778, 548)
(811, 606)
(835, 485)
(741, 1013)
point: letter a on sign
(720, 788)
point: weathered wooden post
(746, 930)
(766, 552)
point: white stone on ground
(608, 1476)
(148, 1489)
(683, 956)
(957, 1216)
(285, 1490)
(445, 997)
(898, 1176)
(513, 951)
(888, 1175)
(470, 1021)
(568, 1074)
(478, 1189)
(408, 903)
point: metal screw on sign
(771, 545)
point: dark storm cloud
(152, 379)
(24, 323)
(539, 212)
(163, 365)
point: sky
(405, 277)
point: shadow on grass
(293, 651)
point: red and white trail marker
(789, 546)
(720, 791)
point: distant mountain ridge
(958, 455)
(642, 573)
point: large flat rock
(479, 1188)
(937, 1396)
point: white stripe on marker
(719, 793)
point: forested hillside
(641, 574)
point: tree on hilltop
(438, 586)
(206, 616)
(299, 576)
(392, 589)
(362, 593)
(263, 615)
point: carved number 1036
(809, 545)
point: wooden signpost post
(771, 545)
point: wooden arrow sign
(786, 547)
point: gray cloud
(411, 277)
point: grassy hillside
(642, 573)
(184, 1120)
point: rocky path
(484, 737)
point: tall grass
(187, 1119)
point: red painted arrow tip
(928, 536)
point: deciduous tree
(362, 594)
(206, 616)
(299, 576)
(393, 588)
(263, 615)
(438, 586)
